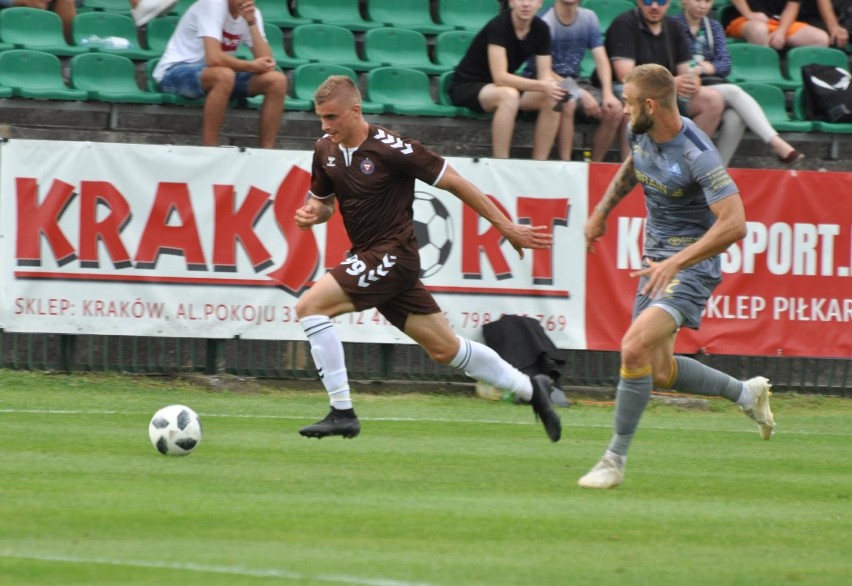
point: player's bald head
(338, 87)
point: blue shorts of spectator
(184, 79)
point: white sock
(746, 399)
(484, 364)
(327, 350)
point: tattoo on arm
(623, 182)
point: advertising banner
(201, 242)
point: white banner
(148, 240)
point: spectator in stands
(485, 79)
(717, 62)
(199, 63)
(647, 35)
(772, 23)
(66, 9)
(143, 11)
(573, 30)
(827, 15)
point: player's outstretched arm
(623, 182)
(315, 211)
(518, 235)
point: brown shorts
(379, 279)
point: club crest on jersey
(330, 162)
(674, 169)
(367, 167)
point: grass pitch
(437, 491)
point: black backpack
(827, 93)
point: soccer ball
(433, 229)
(175, 430)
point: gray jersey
(680, 179)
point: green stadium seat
(110, 24)
(307, 78)
(405, 91)
(758, 64)
(451, 46)
(181, 7)
(278, 12)
(326, 43)
(587, 65)
(275, 38)
(468, 14)
(36, 75)
(402, 48)
(109, 78)
(115, 6)
(607, 10)
(345, 13)
(800, 56)
(414, 15)
(35, 29)
(159, 31)
(774, 104)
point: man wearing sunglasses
(648, 35)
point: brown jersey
(374, 187)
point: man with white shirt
(199, 63)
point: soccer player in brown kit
(371, 180)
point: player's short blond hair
(654, 81)
(338, 87)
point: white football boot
(759, 411)
(608, 473)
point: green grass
(438, 490)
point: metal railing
(378, 362)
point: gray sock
(699, 379)
(630, 400)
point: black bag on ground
(523, 343)
(827, 93)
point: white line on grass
(569, 424)
(229, 570)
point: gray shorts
(686, 298)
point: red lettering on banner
(158, 237)
(36, 220)
(474, 243)
(108, 230)
(303, 254)
(543, 212)
(232, 226)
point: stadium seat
(405, 91)
(114, 6)
(109, 78)
(607, 10)
(402, 48)
(307, 78)
(275, 38)
(587, 65)
(774, 104)
(413, 15)
(470, 14)
(37, 75)
(345, 13)
(159, 31)
(110, 24)
(758, 64)
(36, 29)
(278, 12)
(451, 46)
(800, 56)
(181, 7)
(326, 43)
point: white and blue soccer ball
(433, 229)
(175, 430)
